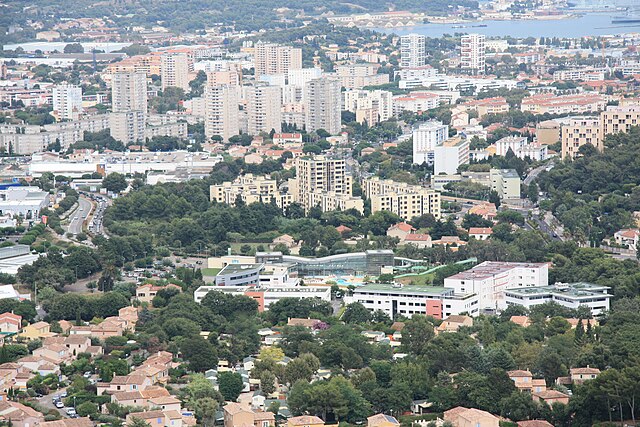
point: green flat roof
(236, 268)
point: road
(47, 402)
(535, 172)
(79, 216)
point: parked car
(59, 405)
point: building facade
(579, 131)
(67, 102)
(413, 50)
(505, 182)
(221, 111)
(264, 104)
(406, 201)
(490, 280)
(473, 53)
(323, 102)
(129, 92)
(128, 127)
(570, 295)
(176, 70)
(272, 58)
(426, 137)
(450, 155)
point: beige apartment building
(617, 119)
(356, 76)
(324, 182)
(250, 189)
(272, 58)
(405, 200)
(127, 126)
(129, 92)
(264, 105)
(323, 104)
(261, 189)
(176, 69)
(221, 111)
(506, 182)
(580, 131)
(564, 104)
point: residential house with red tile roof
(10, 323)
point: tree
(200, 353)
(356, 313)
(267, 382)
(417, 333)
(549, 365)
(138, 422)
(198, 388)
(518, 406)
(86, 409)
(115, 182)
(302, 368)
(271, 353)
(74, 48)
(205, 410)
(230, 385)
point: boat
(625, 20)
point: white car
(71, 411)
(59, 405)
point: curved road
(79, 216)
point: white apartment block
(323, 101)
(405, 301)
(380, 101)
(36, 139)
(405, 200)
(426, 137)
(176, 69)
(297, 80)
(456, 83)
(67, 102)
(357, 76)
(521, 148)
(584, 74)
(570, 295)
(628, 68)
(413, 50)
(221, 111)
(264, 105)
(129, 92)
(417, 73)
(450, 155)
(490, 280)
(415, 102)
(513, 143)
(128, 127)
(276, 59)
(473, 53)
(506, 183)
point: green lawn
(235, 247)
(210, 271)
